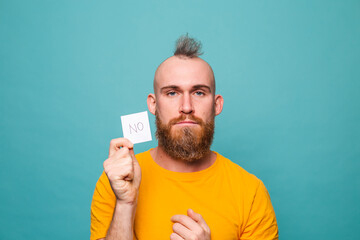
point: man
(180, 189)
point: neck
(171, 164)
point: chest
(161, 198)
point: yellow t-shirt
(234, 203)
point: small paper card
(136, 127)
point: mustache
(183, 117)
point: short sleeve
(102, 208)
(261, 224)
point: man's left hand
(189, 227)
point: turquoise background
(289, 72)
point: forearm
(122, 224)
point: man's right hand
(123, 171)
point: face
(185, 105)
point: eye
(199, 93)
(171, 93)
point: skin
(182, 86)
(124, 174)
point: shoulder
(143, 155)
(144, 158)
(238, 178)
(236, 170)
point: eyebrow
(201, 86)
(198, 86)
(169, 87)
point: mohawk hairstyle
(188, 47)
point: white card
(136, 127)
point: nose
(186, 106)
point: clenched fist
(123, 171)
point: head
(185, 103)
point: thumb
(195, 216)
(132, 154)
(198, 218)
(137, 169)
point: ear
(219, 102)
(151, 102)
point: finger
(198, 218)
(128, 158)
(187, 222)
(182, 231)
(175, 236)
(117, 143)
(121, 163)
(122, 169)
(119, 173)
(122, 153)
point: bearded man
(180, 189)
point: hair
(188, 47)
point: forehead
(184, 72)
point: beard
(186, 143)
